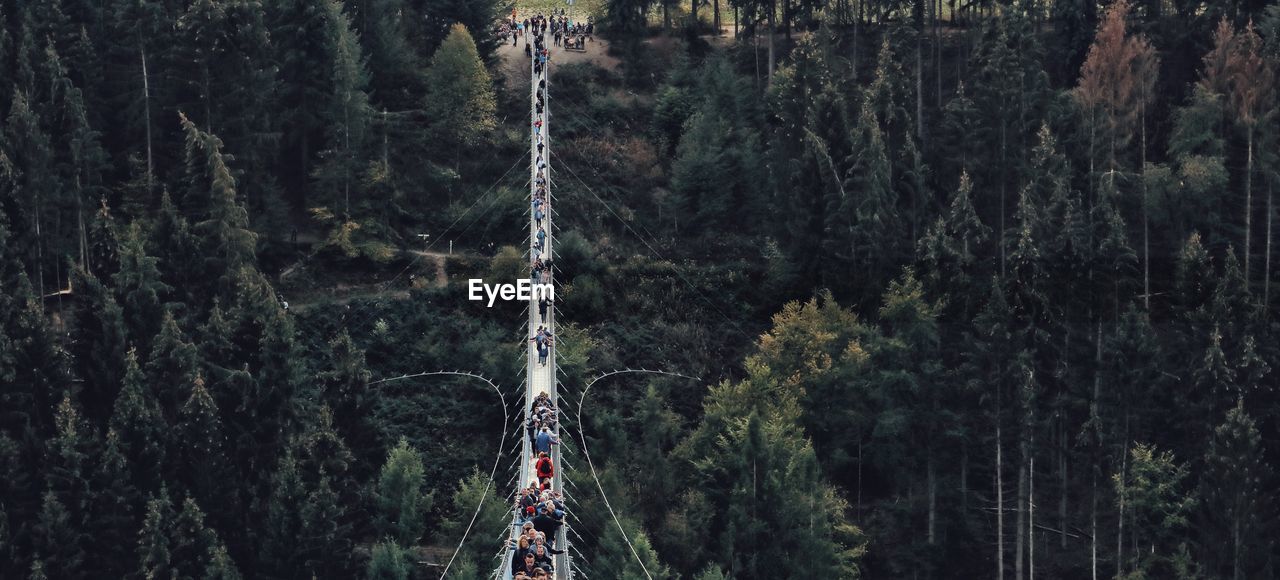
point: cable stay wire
(587, 454)
(497, 456)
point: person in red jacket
(545, 469)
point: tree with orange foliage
(1251, 100)
(1116, 85)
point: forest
(968, 290)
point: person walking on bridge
(543, 306)
(545, 440)
(546, 469)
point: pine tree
(1251, 100)
(717, 169)
(1198, 150)
(1157, 508)
(460, 99)
(200, 445)
(66, 466)
(36, 371)
(442, 16)
(345, 116)
(1235, 508)
(115, 510)
(221, 567)
(154, 543)
(400, 501)
(959, 122)
(869, 210)
(228, 242)
(1114, 85)
(388, 562)
(346, 392)
(35, 184)
(951, 252)
(299, 34)
(393, 64)
(1193, 279)
(103, 243)
(493, 515)
(60, 541)
(910, 388)
(141, 427)
(614, 555)
(1009, 94)
(278, 550)
(99, 343)
(138, 287)
(173, 244)
(192, 545)
(172, 366)
(307, 526)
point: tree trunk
(1003, 178)
(920, 72)
(937, 50)
(859, 500)
(1062, 475)
(1266, 261)
(1093, 527)
(1031, 519)
(715, 15)
(1020, 536)
(932, 482)
(146, 112)
(786, 19)
(999, 506)
(84, 239)
(1248, 203)
(1146, 222)
(772, 57)
(1237, 546)
(1120, 519)
(1062, 441)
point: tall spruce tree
(460, 100)
(142, 429)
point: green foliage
(1233, 506)
(141, 427)
(493, 516)
(179, 544)
(389, 562)
(717, 169)
(507, 266)
(228, 244)
(460, 101)
(400, 501)
(1152, 490)
(614, 554)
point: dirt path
(515, 65)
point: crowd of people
(564, 32)
(571, 35)
(538, 508)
